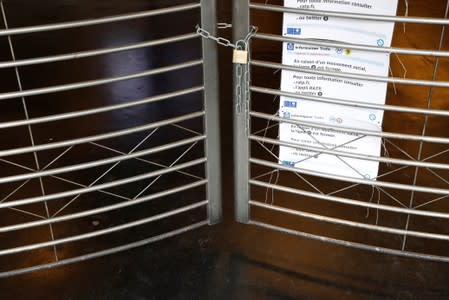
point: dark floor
(225, 261)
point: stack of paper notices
(364, 32)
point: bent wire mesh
(109, 139)
(404, 210)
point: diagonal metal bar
(437, 154)
(27, 213)
(16, 164)
(30, 131)
(171, 165)
(29, 169)
(186, 129)
(146, 160)
(85, 186)
(106, 172)
(309, 183)
(426, 122)
(431, 202)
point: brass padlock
(240, 57)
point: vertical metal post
(241, 141)
(212, 118)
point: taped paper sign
(328, 116)
(373, 33)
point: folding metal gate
(404, 211)
(87, 170)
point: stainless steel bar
(391, 50)
(102, 186)
(409, 137)
(342, 222)
(348, 244)
(416, 20)
(87, 112)
(425, 128)
(101, 162)
(91, 53)
(102, 253)
(91, 83)
(352, 202)
(319, 150)
(395, 80)
(147, 161)
(405, 187)
(401, 109)
(241, 25)
(97, 21)
(103, 174)
(104, 209)
(101, 136)
(212, 117)
(184, 153)
(30, 130)
(103, 231)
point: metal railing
(168, 183)
(410, 193)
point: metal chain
(219, 40)
(242, 70)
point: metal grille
(109, 149)
(404, 211)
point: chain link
(243, 76)
(219, 40)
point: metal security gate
(404, 211)
(110, 147)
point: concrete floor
(226, 261)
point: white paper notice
(364, 32)
(340, 61)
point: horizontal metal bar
(409, 137)
(91, 83)
(370, 17)
(102, 186)
(103, 231)
(87, 112)
(352, 202)
(101, 162)
(337, 221)
(319, 150)
(102, 253)
(348, 244)
(97, 21)
(104, 209)
(410, 51)
(395, 80)
(91, 53)
(391, 185)
(402, 109)
(105, 136)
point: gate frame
(240, 25)
(212, 116)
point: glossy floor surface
(225, 261)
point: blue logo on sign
(292, 104)
(380, 42)
(293, 30)
(290, 46)
(288, 163)
(286, 115)
(372, 117)
(339, 50)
